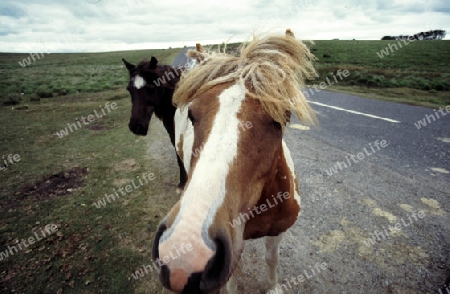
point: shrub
(439, 85)
(34, 98)
(404, 83)
(44, 91)
(62, 91)
(356, 75)
(362, 80)
(393, 82)
(426, 86)
(106, 86)
(421, 84)
(12, 99)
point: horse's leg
(169, 124)
(183, 175)
(230, 287)
(272, 244)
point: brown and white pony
(239, 173)
(151, 87)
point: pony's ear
(128, 65)
(153, 62)
(199, 47)
(289, 33)
(198, 54)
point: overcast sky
(112, 25)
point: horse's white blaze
(206, 190)
(139, 82)
(290, 164)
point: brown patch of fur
(204, 110)
(272, 69)
(278, 217)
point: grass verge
(58, 180)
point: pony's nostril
(218, 268)
(164, 276)
(155, 248)
(138, 129)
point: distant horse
(151, 87)
(241, 182)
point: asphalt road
(181, 59)
(410, 151)
(343, 210)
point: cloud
(441, 6)
(101, 25)
(11, 10)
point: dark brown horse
(151, 87)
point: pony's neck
(170, 77)
(167, 118)
(165, 111)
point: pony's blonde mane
(272, 68)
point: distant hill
(430, 35)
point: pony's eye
(190, 116)
(277, 125)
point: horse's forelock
(272, 69)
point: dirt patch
(121, 182)
(126, 165)
(98, 127)
(45, 138)
(50, 187)
(435, 207)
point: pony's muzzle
(177, 277)
(137, 128)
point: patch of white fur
(183, 126)
(139, 82)
(206, 191)
(290, 164)
(230, 287)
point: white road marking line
(299, 127)
(445, 140)
(355, 112)
(440, 170)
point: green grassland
(417, 73)
(96, 249)
(57, 180)
(62, 74)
